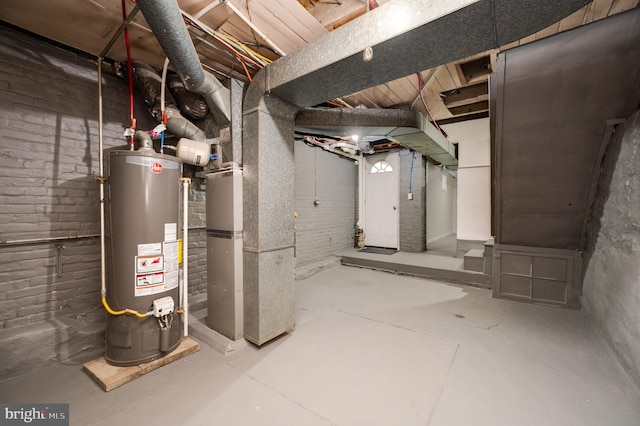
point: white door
(381, 200)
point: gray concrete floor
(425, 259)
(445, 246)
(373, 348)
(440, 254)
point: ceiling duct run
(410, 128)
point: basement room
(320, 212)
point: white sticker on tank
(147, 264)
(170, 250)
(151, 249)
(147, 284)
(171, 280)
(149, 279)
(170, 231)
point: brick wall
(197, 238)
(412, 212)
(48, 156)
(328, 228)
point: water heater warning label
(149, 275)
(170, 250)
(156, 272)
(149, 283)
(147, 264)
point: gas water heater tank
(143, 247)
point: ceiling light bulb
(367, 55)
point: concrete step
(472, 278)
(488, 256)
(488, 265)
(474, 260)
(488, 247)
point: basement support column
(269, 174)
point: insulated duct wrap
(147, 80)
(191, 104)
(149, 83)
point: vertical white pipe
(103, 274)
(361, 188)
(185, 252)
(163, 87)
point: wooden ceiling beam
(465, 95)
(470, 108)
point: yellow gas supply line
(124, 311)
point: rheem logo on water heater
(156, 167)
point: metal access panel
(224, 254)
(538, 275)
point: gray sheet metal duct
(410, 128)
(165, 19)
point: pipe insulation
(150, 85)
(165, 20)
(181, 127)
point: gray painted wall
(412, 212)
(441, 204)
(48, 155)
(326, 229)
(611, 288)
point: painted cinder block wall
(325, 229)
(48, 157)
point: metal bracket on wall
(59, 251)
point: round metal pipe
(185, 254)
(103, 263)
(165, 20)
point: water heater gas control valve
(163, 306)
